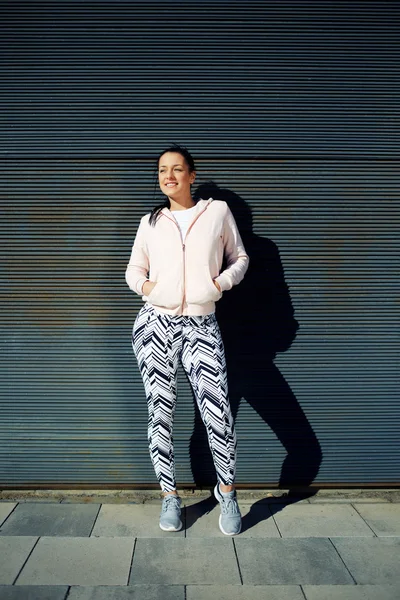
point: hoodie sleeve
(236, 258)
(136, 273)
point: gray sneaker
(170, 518)
(230, 520)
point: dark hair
(190, 163)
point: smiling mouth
(170, 184)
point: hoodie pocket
(166, 294)
(200, 288)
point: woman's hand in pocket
(148, 287)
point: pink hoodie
(184, 270)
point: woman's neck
(181, 204)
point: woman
(175, 266)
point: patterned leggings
(158, 341)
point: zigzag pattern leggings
(159, 341)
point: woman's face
(173, 175)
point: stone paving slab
(371, 560)
(191, 561)
(189, 501)
(132, 520)
(277, 500)
(5, 509)
(78, 561)
(290, 562)
(383, 519)
(33, 592)
(99, 500)
(319, 521)
(201, 592)
(14, 552)
(51, 519)
(45, 499)
(202, 521)
(351, 592)
(318, 500)
(133, 592)
(245, 592)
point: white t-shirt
(184, 218)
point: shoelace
(229, 505)
(169, 502)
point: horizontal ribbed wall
(291, 110)
(228, 78)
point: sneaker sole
(170, 528)
(218, 496)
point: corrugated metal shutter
(291, 109)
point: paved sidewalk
(311, 549)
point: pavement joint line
(339, 555)
(237, 561)
(360, 515)
(26, 560)
(95, 520)
(276, 524)
(303, 592)
(185, 522)
(131, 565)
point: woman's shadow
(257, 321)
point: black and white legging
(159, 341)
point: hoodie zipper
(184, 249)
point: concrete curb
(244, 495)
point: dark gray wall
(291, 109)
